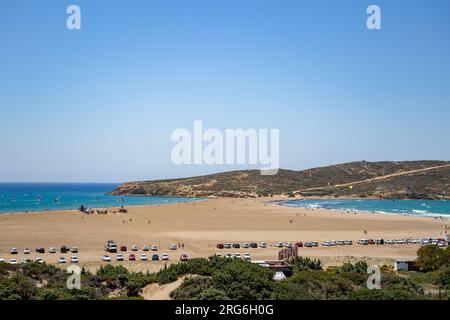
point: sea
(431, 208)
(37, 197)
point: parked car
(247, 256)
(253, 245)
(13, 261)
(61, 260)
(131, 257)
(227, 245)
(52, 250)
(119, 257)
(155, 257)
(263, 245)
(2, 260)
(363, 242)
(228, 255)
(299, 244)
(218, 254)
(106, 258)
(39, 260)
(236, 245)
(123, 248)
(165, 257)
(219, 246)
(40, 250)
(237, 255)
(287, 245)
(154, 247)
(111, 246)
(184, 257)
(14, 251)
(74, 250)
(26, 251)
(279, 244)
(340, 242)
(134, 247)
(348, 242)
(64, 249)
(24, 261)
(143, 257)
(173, 246)
(245, 245)
(73, 259)
(146, 248)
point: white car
(146, 248)
(228, 255)
(237, 255)
(287, 245)
(2, 260)
(62, 260)
(245, 245)
(247, 256)
(173, 246)
(143, 257)
(227, 245)
(119, 257)
(134, 247)
(154, 247)
(52, 250)
(13, 261)
(106, 258)
(165, 256)
(327, 244)
(26, 261)
(26, 251)
(263, 245)
(14, 251)
(39, 260)
(348, 242)
(279, 244)
(363, 242)
(73, 259)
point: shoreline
(432, 215)
(5, 213)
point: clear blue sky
(99, 104)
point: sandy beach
(201, 225)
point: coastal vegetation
(400, 180)
(221, 278)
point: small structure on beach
(276, 266)
(404, 265)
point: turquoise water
(410, 207)
(23, 197)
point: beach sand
(200, 225)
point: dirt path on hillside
(156, 291)
(376, 178)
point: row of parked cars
(237, 255)
(63, 249)
(112, 247)
(237, 245)
(143, 257)
(441, 242)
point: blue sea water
(409, 207)
(25, 197)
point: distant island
(362, 179)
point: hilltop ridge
(361, 179)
